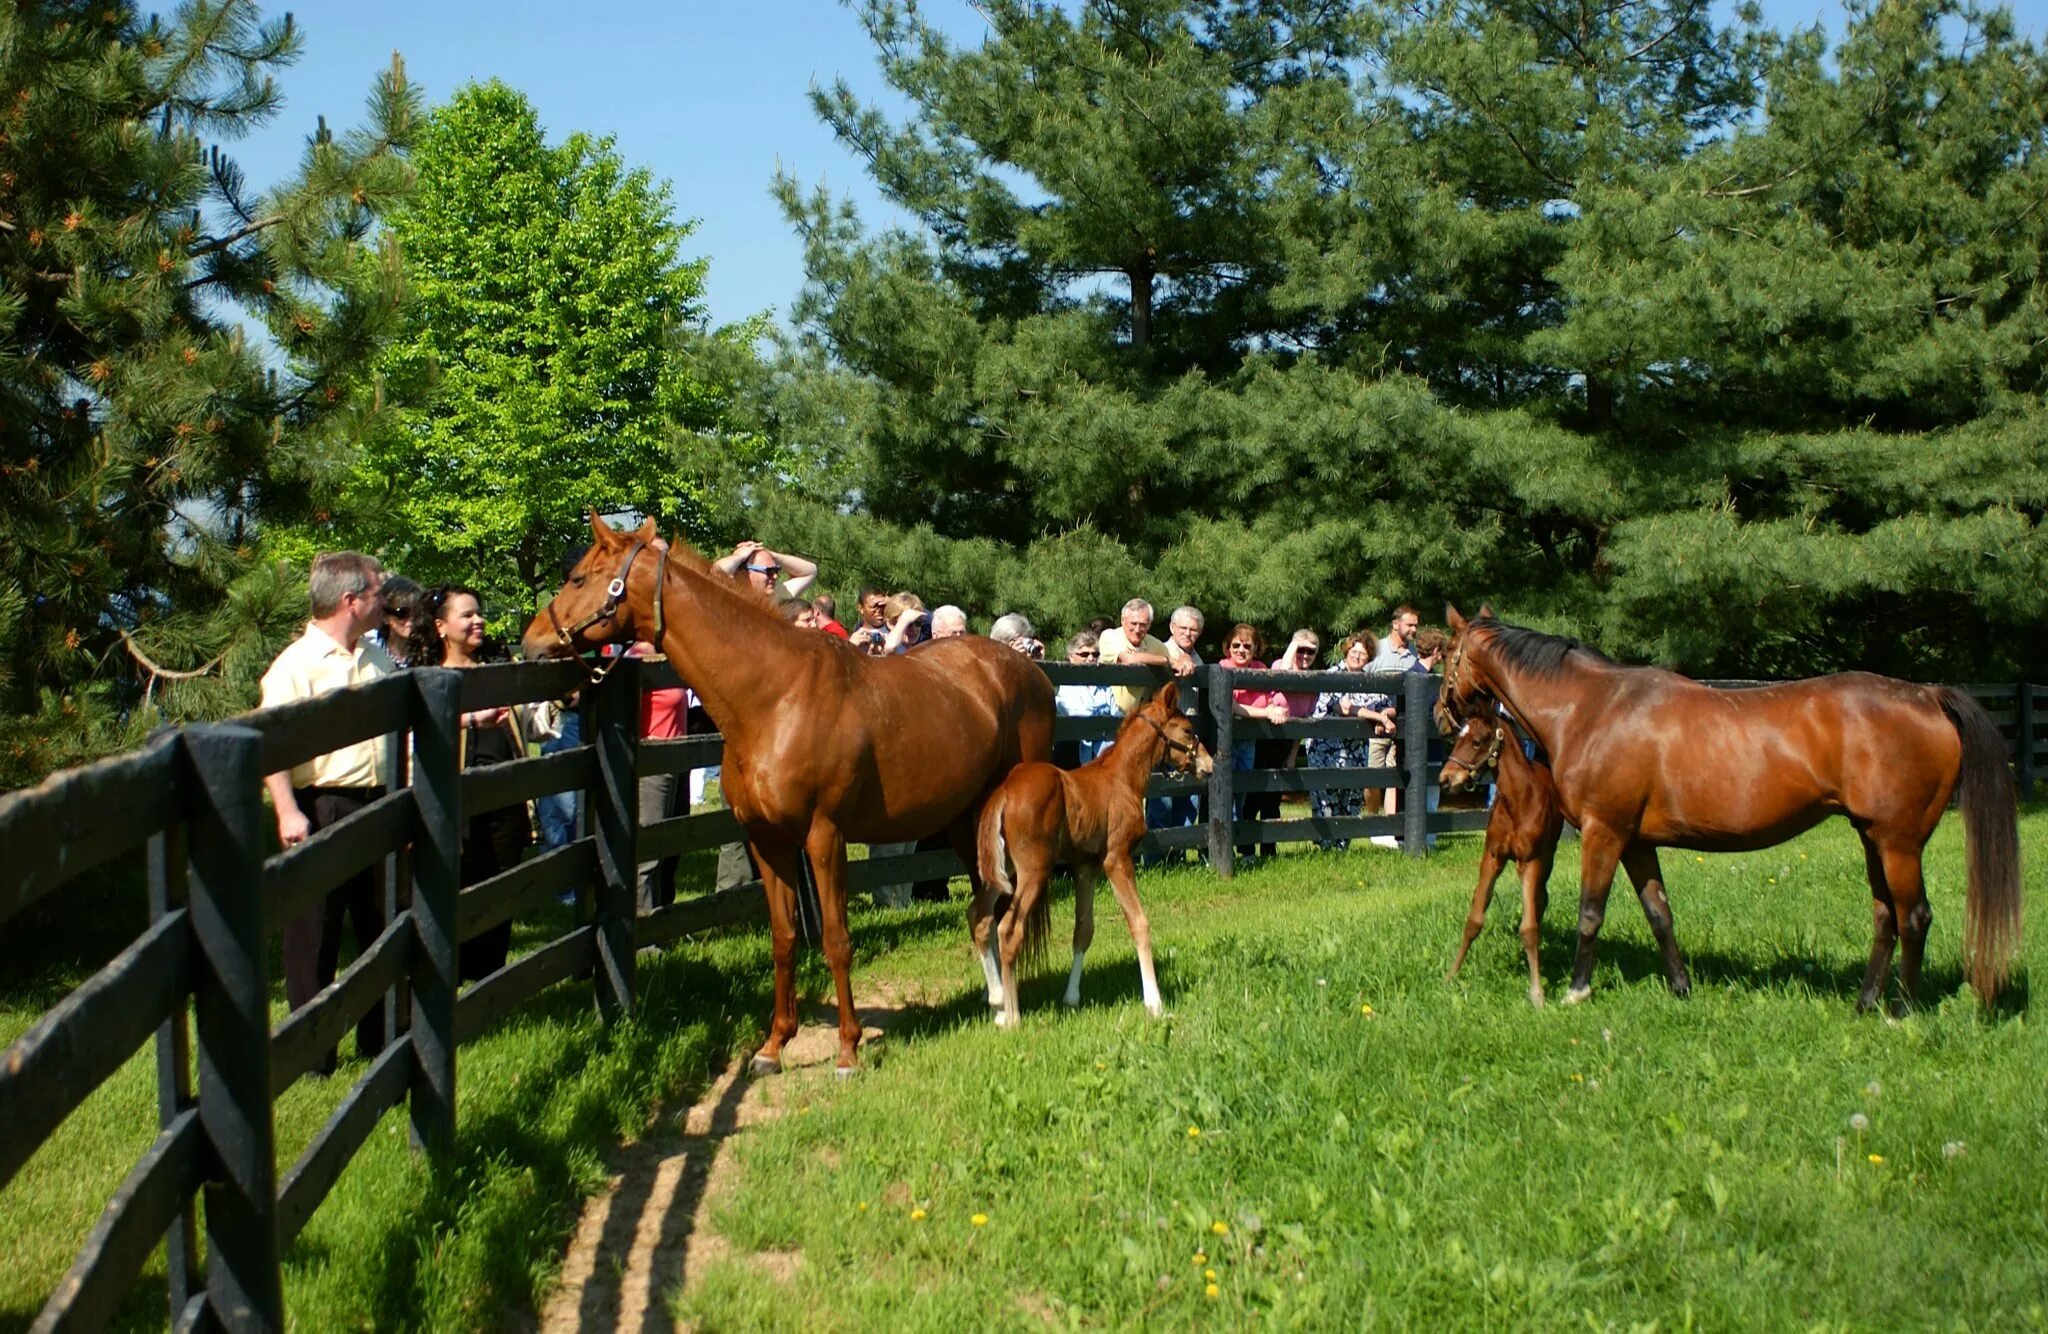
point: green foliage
(552, 342)
(146, 437)
(1645, 321)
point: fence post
(436, 880)
(167, 893)
(231, 1002)
(1415, 724)
(397, 868)
(1222, 828)
(616, 820)
(2023, 713)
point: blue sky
(710, 95)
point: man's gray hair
(949, 614)
(1187, 614)
(1138, 604)
(1009, 626)
(336, 574)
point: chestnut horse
(1090, 818)
(1523, 829)
(822, 742)
(1644, 759)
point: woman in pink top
(1241, 652)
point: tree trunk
(1140, 273)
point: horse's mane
(739, 596)
(1534, 652)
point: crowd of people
(366, 623)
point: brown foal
(1089, 818)
(823, 744)
(1523, 829)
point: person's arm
(292, 824)
(900, 630)
(798, 573)
(729, 564)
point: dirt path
(649, 1235)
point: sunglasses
(1084, 653)
(765, 569)
(1241, 643)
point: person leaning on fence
(1081, 699)
(1257, 704)
(1131, 643)
(1349, 752)
(332, 654)
(1183, 628)
(949, 622)
(1397, 654)
(664, 716)
(450, 633)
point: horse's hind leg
(1535, 871)
(1648, 874)
(1084, 927)
(1030, 885)
(1910, 911)
(1883, 923)
(1491, 863)
(1599, 852)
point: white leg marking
(993, 967)
(1073, 996)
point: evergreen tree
(546, 356)
(1631, 319)
(179, 357)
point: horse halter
(1491, 757)
(1448, 721)
(614, 594)
(1173, 747)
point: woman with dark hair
(401, 597)
(448, 631)
(1243, 651)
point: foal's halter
(614, 594)
(1173, 747)
(1491, 757)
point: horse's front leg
(1599, 855)
(1535, 871)
(827, 848)
(1123, 878)
(780, 865)
(1491, 863)
(1648, 874)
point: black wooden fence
(197, 979)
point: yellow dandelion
(979, 1220)
(1212, 1292)
(1209, 1274)
(1194, 1132)
(1365, 1010)
(1877, 1160)
(1701, 860)
(1578, 1078)
(1220, 1228)
(862, 1206)
(1772, 879)
(1802, 856)
(1201, 1258)
(917, 1215)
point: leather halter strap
(614, 594)
(1173, 747)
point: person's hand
(292, 827)
(908, 615)
(745, 550)
(1276, 712)
(1183, 665)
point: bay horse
(1090, 818)
(1644, 758)
(823, 743)
(1523, 828)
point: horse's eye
(578, 579)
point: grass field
(1321, 1132)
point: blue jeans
(559, 812)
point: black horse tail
(1990, 806)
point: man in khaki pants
(332, 654)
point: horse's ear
(1453, 619)
(602, 531)
(1169, 696)
(1486, 611)
(648, 532)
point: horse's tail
(1984, 790)
(993, 852)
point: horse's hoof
(765, 1065)
(845, 1071)
(1536, 997)
(1682, 988)
(1002, 1018)
(1574, 995)
(1071, 1002)
(1156, 1010)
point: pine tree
(179, 356)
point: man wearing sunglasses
(761, 567)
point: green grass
(1453, 1157)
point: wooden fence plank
(320, 1166)
(294, 733)
(499, 684)
(77, 1044)
(524, 978)
(144, 1206)
(525, 888)
(231, 1008)
(899, 870)
(496, 786)
(299, 878)
(688, 833)
(748, 903)
(1312, 780)
(82, 818)
(312, 1030)
(679, 755)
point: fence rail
(196, 978)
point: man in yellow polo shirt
(346, 589)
